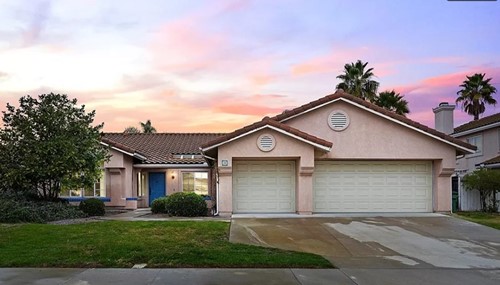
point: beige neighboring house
(485, 135)
(336, 154)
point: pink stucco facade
(368, 137)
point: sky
(215, 66)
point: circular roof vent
(266, 142)
(338, 120)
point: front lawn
(488, 219)
(123, 244)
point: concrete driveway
(428, 242)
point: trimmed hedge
(25, 211)
(92, 207)
(159, 205)
(186, 205)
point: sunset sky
(209, 66)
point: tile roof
(495, 118)
(160, 148)
(267, 121)
(341, 94)
(494, 160)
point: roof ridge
(339, 93)
(163, 133)
(479, 120)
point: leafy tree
(358, 81)
(487, 182)
(475, 93)
(131, 130)
(392, 101)
(147, 127)
(48, 142)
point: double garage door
(338, 186)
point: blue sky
(219, 65)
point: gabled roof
(340, 95)
(483, 123)
(272, 124)
(161, 148)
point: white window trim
(479, 151)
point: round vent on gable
(338, 120)
(266, 142)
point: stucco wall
(286, 148)
(368, 137)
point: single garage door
(372, 186)
(263, 186)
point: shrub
(186, 205)
(487, 182)
(159, 205)
(92, 207)
(25, 211)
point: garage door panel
(382, 186)
(263, 186)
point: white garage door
(263, 186)
(372, 186)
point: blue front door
(156, 185)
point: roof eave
(475, 130)
(319, 146)
(459, 147)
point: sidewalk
(144, 214)
(187, 276)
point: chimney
(443, 117)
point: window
(186, 155)
(97, 190)
(141, 184)
(196, 182)
(477, 141)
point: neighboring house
(336, 154)
(485, 135)
(144, 167)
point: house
(144, 167)
(336, 154)
(485, 135)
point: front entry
(156, 185)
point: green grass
(488, 219)
(123, 244)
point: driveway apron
(379, 242)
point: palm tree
(475, 93)
(131, 130)
(147, 127)
(393, 102)
(358, 81)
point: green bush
(159, 205)
(186, 205)
(25, 211)
(92, 207)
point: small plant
(92, 207)
(159, 205)
(186, 205)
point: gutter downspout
(216, 181)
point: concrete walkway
(144, 214)
(66, 276)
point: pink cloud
(330, 62)
(429, 92)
